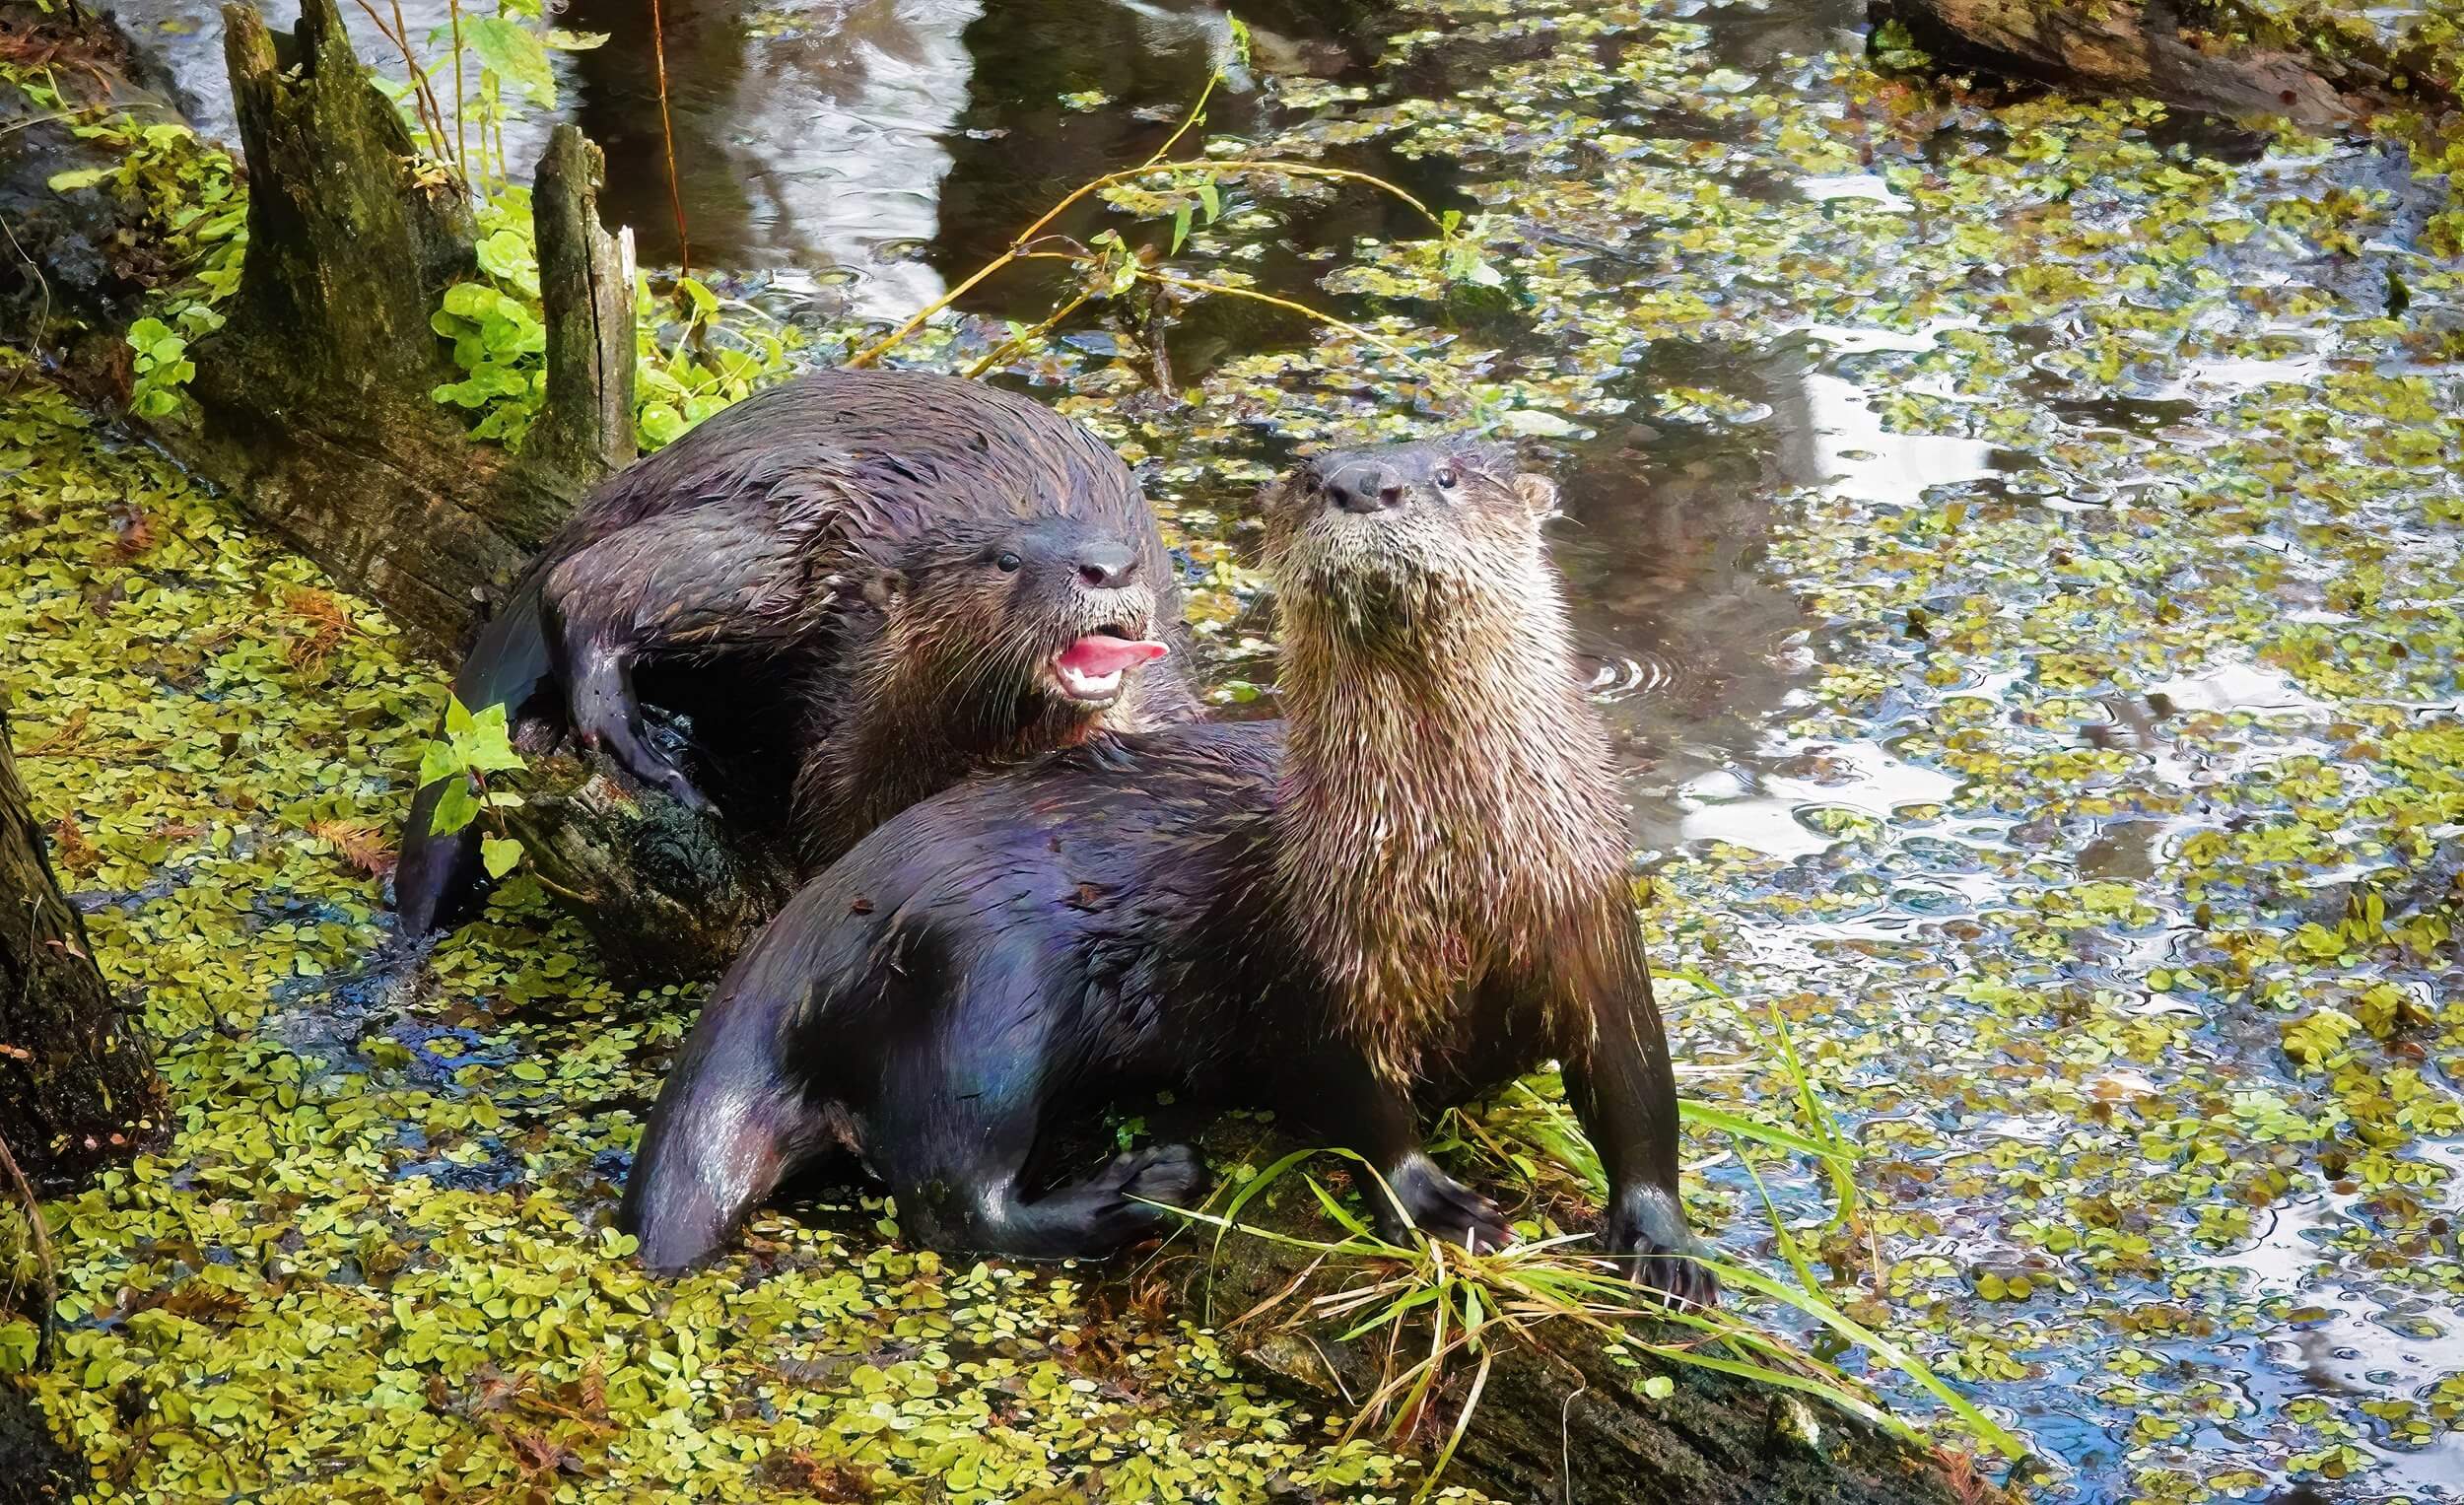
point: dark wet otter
(1414, 889)
(1034, 579)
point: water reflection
(1693, 642)
(808, 133)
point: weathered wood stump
(315, 405)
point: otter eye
(1009, 561)
(1446, 478)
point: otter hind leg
(1086, 1219)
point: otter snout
(1106, 564)
(1365, 488)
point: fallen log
(666, 893)
(1558, 1418)
(2219, 57)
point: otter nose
(1366, 489)
(1107, 562)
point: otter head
(1039, 616)
(1393, 540)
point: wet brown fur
(1410, 892)
(1448, 807)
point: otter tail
(730, 1125)
(438, 883)
(754, 1094)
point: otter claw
(1648, 1237)
(1442, 1207)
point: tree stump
(315, 405)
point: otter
(1412, 890)
(816, 535)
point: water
(2025, 612)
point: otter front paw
(1647, 1236)
(644, 762)
(1440, 1206)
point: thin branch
(45, 1313)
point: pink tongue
(1100, 654)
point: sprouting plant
(501, 71)
(717, 353)
(1451, 1305)
(472, 748)
(195, 210)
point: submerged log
(77, 1083)
(1557, 1419)
(2214, 57)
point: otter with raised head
(949, 576)
(1413, 890)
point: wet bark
(585, 288)
(2216, 57)
(313, 402)
(1557, 1420)
(77, 1083)
(666, 893)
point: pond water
(2015, 543)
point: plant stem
(1230, 167)
(42, 1238)
(667, 135)
(461, 140)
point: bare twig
(41, 1240)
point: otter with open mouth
(1409, 892)
(751, 566)
(993, 641)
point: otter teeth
(1081, 686)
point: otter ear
(884, 586)
(1538, 494)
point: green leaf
(660, 423)
(1212, 197)
(500, 854)
(458, 718)
(514, 53)
(1660, 1387)
(456, 808)
(508, 255)
(437, 761)
(79, 177)
(1180, 230)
